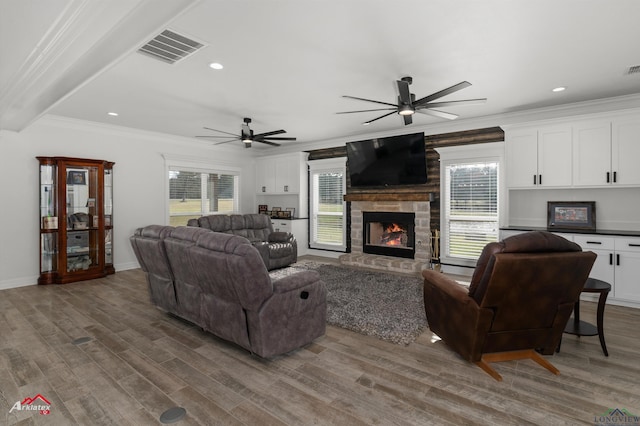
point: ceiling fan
(247, 136)
(408, 105)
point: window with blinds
(471, 215)
(328, 220)
(193, 194)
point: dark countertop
(572, 231)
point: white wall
(139, 184)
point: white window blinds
(328, 220)
(193, 194)
(472, 208)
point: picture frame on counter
(571, 215)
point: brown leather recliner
(521, 295)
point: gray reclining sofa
(220, 283)
(278, 249)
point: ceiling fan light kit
(247, 136)
(407, 104)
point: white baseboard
(324, 253)
(18, 282)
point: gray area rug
(379, 304)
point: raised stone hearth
(422, 237)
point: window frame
(328, 165)
(467, 154)
(200, 166)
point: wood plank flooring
(141, 361)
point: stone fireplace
(414, 258)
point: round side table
(582, 328)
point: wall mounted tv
(392, 161)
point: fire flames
(393, 235)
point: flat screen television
(393, 161)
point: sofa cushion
(254, 227)
(216, 223)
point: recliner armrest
(281, 237)
(295, 281)
(454, 316)
(452, 288)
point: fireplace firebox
(389, 234)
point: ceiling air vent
(634, 69)
(170, 47)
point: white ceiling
(287, 63)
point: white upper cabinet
(280, 174)
(606, 152)
(522, 158)
(625, 150)
(539, 157)
(592, 153)
(597, 151)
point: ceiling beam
(62, 61)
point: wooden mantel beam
(388, 196)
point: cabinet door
(554, 156)
(625, 149)
(522, 155)
(265, 176)
(603, 267)
(280, 225)
(627, 286)
(592, 154)
(287, 179)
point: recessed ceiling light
(216, 66)
(113, 114)
(559, 89)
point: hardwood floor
(141, 362)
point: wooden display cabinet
(76, 219)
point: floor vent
(634, 69)
(170, 47)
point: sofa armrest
(295, 281)
(281, 237)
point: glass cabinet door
(108, 215)
(48, 219)
(83, 248)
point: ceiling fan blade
(454, 103)
(205, 136)
(275, 139)
(370, 100)
(403, 90)
(227, 141)
(267, 142)
(220, 131)
(275, 132)
(382, 116)
(436, 113)
(407, 119)
(444, 92)
(367, 110)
